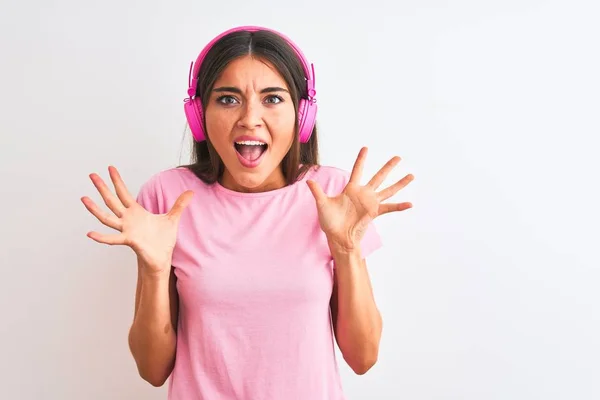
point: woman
(251, 260)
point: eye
(274, 99)
(226, 99)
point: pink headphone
(307, 108)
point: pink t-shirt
(254, 277)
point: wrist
(341, 244)
(155, 276)
(344, 251)
(154, 272)
(347, 260)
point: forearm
(359, 324)
(152, 339)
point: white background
(488, 286)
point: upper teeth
(251, 142)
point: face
(250, 121)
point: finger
(383, 173)
(180, 204)
(107, 239)
(120, 187)
(317, 192)
(392, 190)
(110, 199)
(107, 219)
(358, 166)
(392, 207)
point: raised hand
(346, 217)
(152, 237)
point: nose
(251, 116)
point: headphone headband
(309, 72)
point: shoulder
(168, 178)
(331, 179)
(161, 188)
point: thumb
(180, 204)
(316, 191)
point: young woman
(251, 260)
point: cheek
(282, 127)
(218, 128)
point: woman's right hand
(151, 236)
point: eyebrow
(234, 89)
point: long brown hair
(268, 46)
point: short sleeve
(371, 241)
(150, 196)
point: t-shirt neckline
(268, 193)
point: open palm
(345, 218)
(151, 236)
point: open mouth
(250, 150)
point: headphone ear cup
(193, 113)
(307, 113)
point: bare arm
(345, 219)
(152, 236)
(153, 333)
(357, 321)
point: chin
(249, 179)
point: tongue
(250, 152)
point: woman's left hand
(346, 217)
